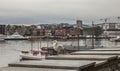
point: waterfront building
(111, 29)
(2, 29)
(72, 32)
(62, 29)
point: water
(10, 50)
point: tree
(98, 31)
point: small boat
(33, 55)
(1, 39)
(116, 39)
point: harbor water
(10, 50)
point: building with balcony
(111, 29)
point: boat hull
(2, 40)
(16, 38)
(29, 57)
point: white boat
(15, 36)
(33, 55)
(116, 39)
(2, 38)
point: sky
(57, 11)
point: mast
(31, 43)
(40, 42)
(47, 41)
(79, 26)
(78, 43)
(92, 34)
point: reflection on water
(10, 50)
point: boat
(116, 39)
(2, 38)
(33, 54)
(15, 36)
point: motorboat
(15, 36)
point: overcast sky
(56, 11)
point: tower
(79, 23)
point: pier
(100, 59)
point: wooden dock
(102, 59)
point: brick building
(2, 29)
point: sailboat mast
(47, 42)
(78, 43)
(40, 42)
(92, 34)
(31, 43)
(37, 39)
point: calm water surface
(10, 50)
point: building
(111, 29)
(79, 23)
(2, 29)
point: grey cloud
(56, 10)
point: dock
(83, 57)
(100, 59)
(56, 64)
(30, 69)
